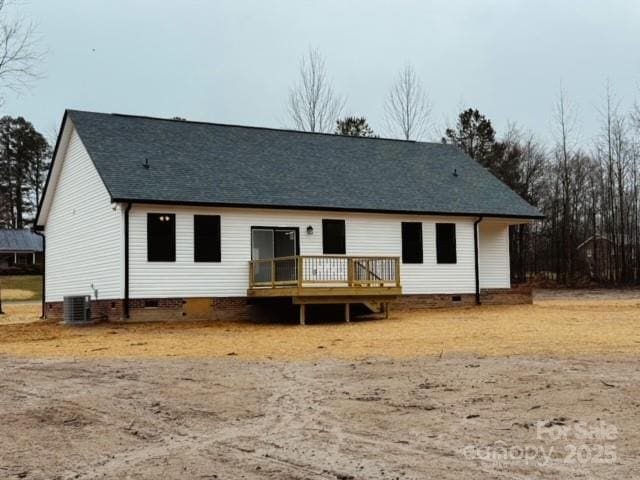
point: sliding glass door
(268, 243)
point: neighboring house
(19, 250)
(170, 218)
(597, 254)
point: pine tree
(24, 160)
(354, 127)
(475, 135)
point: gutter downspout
(475, 245)
(126, 261)
(44, 268)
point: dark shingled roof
(204, 163)
(19, 241)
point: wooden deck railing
(325, 270)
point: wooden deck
(320, 292)
(327, 279)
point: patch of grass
(21, 287)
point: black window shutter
(412, 242)
(446, 242)
(333, 237)
(161, 237)
(206, 238)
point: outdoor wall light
(309, 230)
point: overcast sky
(234, 61)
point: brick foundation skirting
(101, 310)
(507, 296)
(155, 309)
(422, 301)
(245, 308)
(488, 296)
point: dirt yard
(554, 325)
(550, 390)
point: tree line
(587, 190)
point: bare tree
(19, 50)
(565, 124)
(522, 166)
(313, 104)
(407, 107)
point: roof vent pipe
(455, 172)
(146, 163)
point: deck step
(375, 307)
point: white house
(19, 249)
(168, 219)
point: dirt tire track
(328, 419)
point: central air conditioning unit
(77, 309)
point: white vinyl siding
(83, 232)
(494, 255)
(366, 234)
